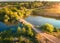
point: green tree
(23, 30)
(18, 33)
(47, 27)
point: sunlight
(55, 8)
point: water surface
(38, 20)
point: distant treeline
(32, 4)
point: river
(39, 20)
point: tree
(47, 27)
(21, 39)
(29, 31)
(18, 29)
(12, 14)
(23, 30)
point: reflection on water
(3, 26)
(38, 20)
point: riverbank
(46, 13)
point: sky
(29, 0)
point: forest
(11, 12)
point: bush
(47, 27)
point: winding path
(49, 37)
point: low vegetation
(50, 29)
